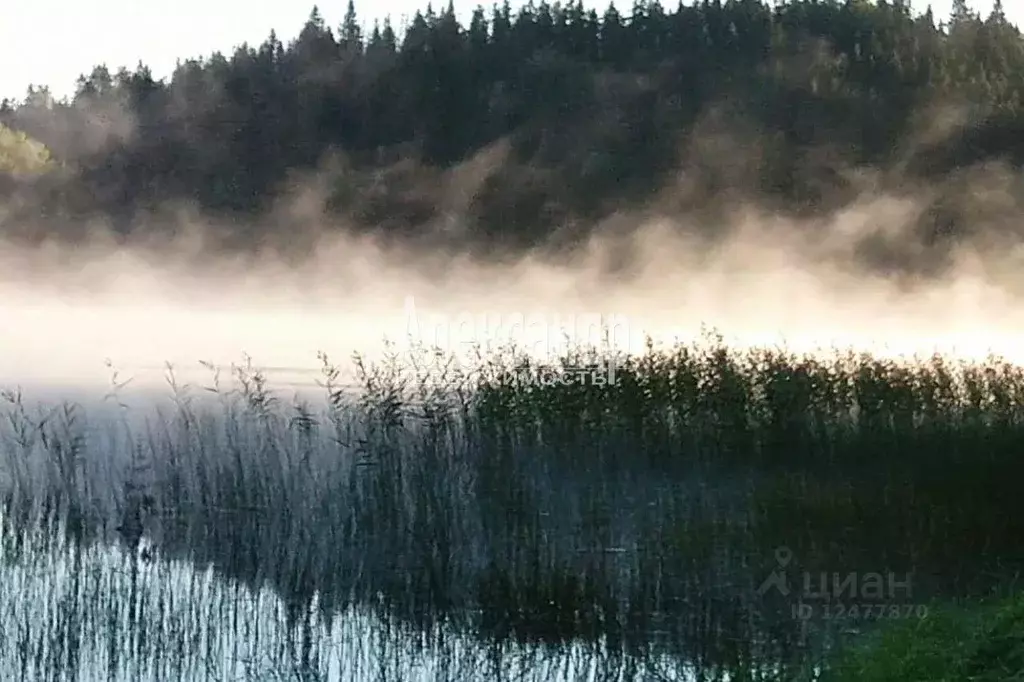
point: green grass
(637, 518)
(980, 642)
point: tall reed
(556, 510)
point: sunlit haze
(762, 286)
(67, 313)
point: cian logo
(872, 587)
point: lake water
(277, 547)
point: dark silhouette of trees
(595, 106)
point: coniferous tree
(575, 89)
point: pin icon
(777, 578)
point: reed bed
(638, 516)
(70, 612)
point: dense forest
(529, 125)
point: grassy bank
(981, 641)
(647, 510)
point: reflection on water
(99, 615)
(399, 531)
(98, 612)
(535, 573)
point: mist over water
(282, 208)
(67, 313)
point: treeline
(594, 109)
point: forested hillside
(532, 124)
